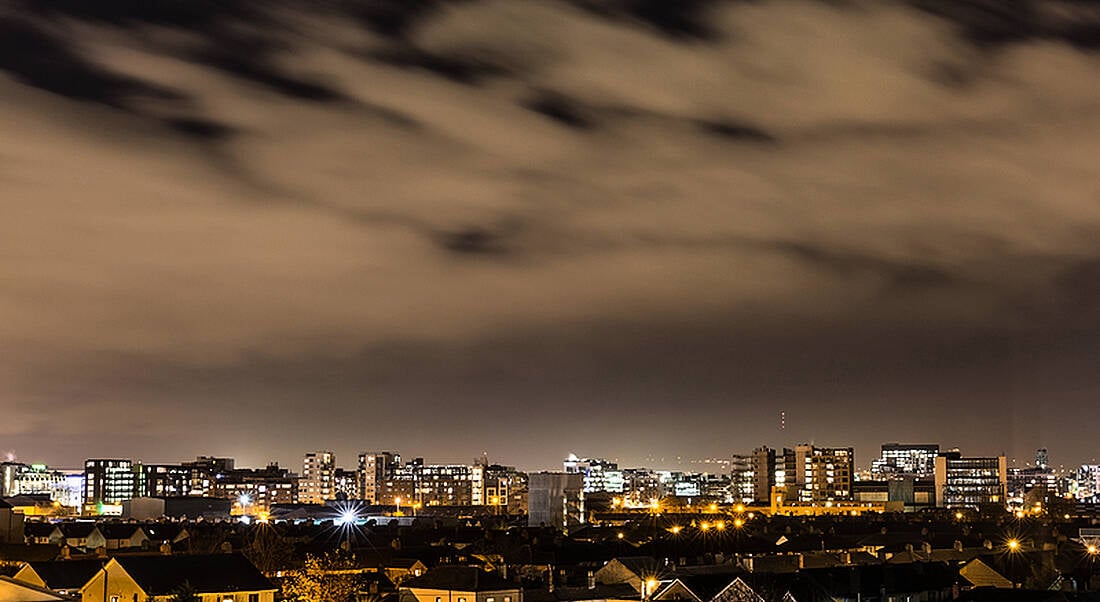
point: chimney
(957, 546)
(166, 548)
(591, 580)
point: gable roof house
(123, 536)
(460, 584)
(12, 590)
(43, 533)
(217, 577)
(83, 535)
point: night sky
(620, 228)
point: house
(83, 535)
(460, 584)
(214, 577)
(641, 572)
(399, 569)
(173, 534)
(12, 590)
(43, 533)
(65, 577)
(979, 574)
(123, 536)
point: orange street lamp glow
(704, 526)
(738, 523)
(1013, 545)
(1093, 550)
(720, 525)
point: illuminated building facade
(258, 488)
(108, 481)
(905, 460)
(973, 483)
(417, 483)
(375, 468)
(599, 475)
(493, 485)
(318, 481)
(823, 473)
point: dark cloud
(634, 229)
(559, 108)
(47, 60)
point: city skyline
(530, 228)
(863, 463)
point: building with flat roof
(970, 482)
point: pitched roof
(206, 573)
(26, 592)
(459, 578)
(77, 530)
(980, 574)
(35, 529)
(119, 530)
(639, 565)
(67, 574)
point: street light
(1013, 545)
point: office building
(975, 483)
(599, 475)
(163, 480)
(916, 461)
(108, 481)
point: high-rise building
(1042, 458)
(823, 473)
(375, 468)
(974, 483)
(345, 484)
(742, 479)
(1087, 483)
(108, 481)
(555, 499)
(492, 485)
(317, 484)
(765, 472)
(916, 461)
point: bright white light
(244, 499)
(347, 517)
